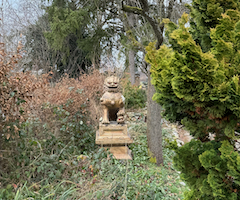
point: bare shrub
(93, 86)
(74, 95)
(15, 89)
(23, 95)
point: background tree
(199, 88)
(26, 21)
(16, 17)
(130, 22)
(38, 54)
(150, 16)
(83, 28)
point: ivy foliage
(197, 81)
(70, 166)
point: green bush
(93, 174)
(45, 154)
(134, 96)
(197, 83)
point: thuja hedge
(198, 85)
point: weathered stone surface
(113, 133)
(120, 152)
(112, 102)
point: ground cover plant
(94, 174)
(197, 82)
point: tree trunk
(154, 129)
(131, 55)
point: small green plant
(47, 152)
(7, 192)
(134, 96)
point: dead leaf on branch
(8, 136)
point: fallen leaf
(14, 185)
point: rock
(133, 119)
(137, 114)
(180, 142)
(130, 114)
(175, 134)
(182, 183)
(163, 120)
(237, 145)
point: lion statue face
(111, 83)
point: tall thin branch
(156, 28)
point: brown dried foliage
(16, 92)
(23, 95)
(93, 85)
(86, 90)
(7, 63)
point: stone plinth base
(113, 133)
(115, 137)
(120, 152)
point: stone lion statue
(112, 102)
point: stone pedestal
(115, 137)
(120, 152)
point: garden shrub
(43, 124)
(197, 83)
(134, 96)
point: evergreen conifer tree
(197, 82)
(85, 28)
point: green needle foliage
(68, 31)
(82, 31)
(205, 15)
(197, 81)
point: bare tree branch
(156, 28)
